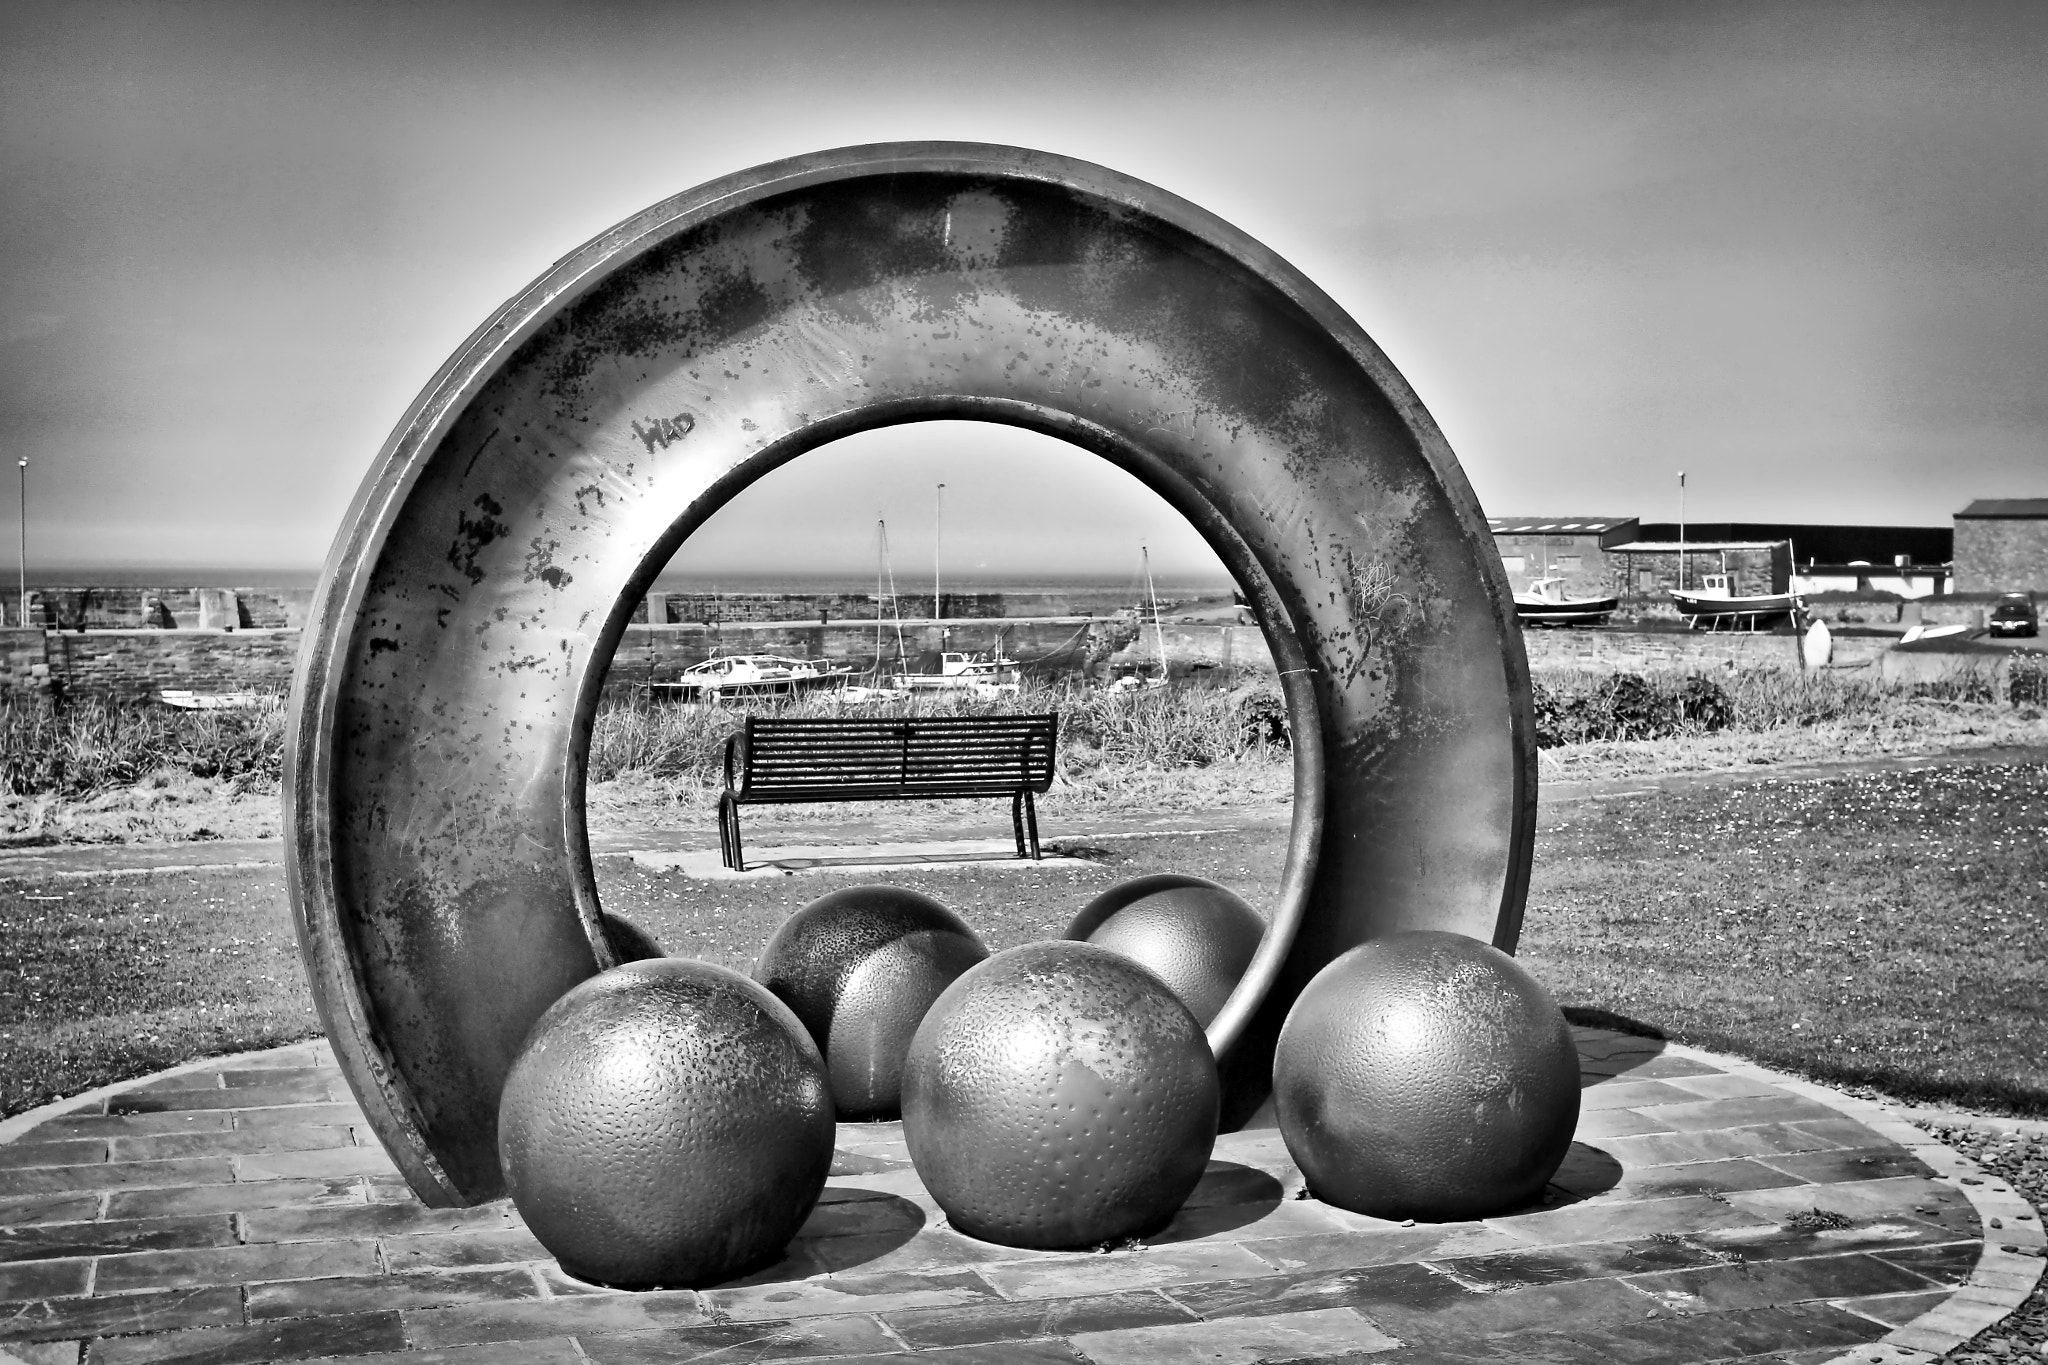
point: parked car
(2015, 614)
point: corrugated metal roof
(1524, 526)
(2006, 507)
(1670, 547)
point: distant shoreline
(737, 584)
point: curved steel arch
(440, 873)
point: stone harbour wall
(140, 663)
(142, 608)
(137, 664)
(1058, 647)
(1616, 651)
(1628, 651)
(24, 662)
(134, 664)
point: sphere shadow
(1586, 1171)
(850, 1227)
(1228, 1196)
(1642, 1043)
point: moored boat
(750, 675)
(1133, 677)
(959, 670)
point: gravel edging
(2015, 1151)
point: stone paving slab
(772, 861)
(239, 1210)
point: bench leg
(1024, 815)
(729, 833)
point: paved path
(238, 1210)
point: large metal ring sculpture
(440, 871)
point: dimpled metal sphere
(1058, 1096)
(668, 1124)
(1196, 936)
(860, 966)
(1426, 1075)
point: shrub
(1703, 703)
(1582, 708)
(1168, 727)
(81, 747)
(2027, 683)
(1633, 709)
(1966, 686)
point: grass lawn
(1887, 930)
(107, 979)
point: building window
(1646, 580)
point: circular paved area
(238, 1210)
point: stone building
(1657, 563)
(2001, 545)
(1572, 548)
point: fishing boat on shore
(1716, 607)
(1545, 604)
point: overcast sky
(1795, 249)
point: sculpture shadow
(849, 1227)
(1230, 1195)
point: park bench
(778, 761)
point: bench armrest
(735, 758)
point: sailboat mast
(895, 602)
(938, 533)
(1152, 604)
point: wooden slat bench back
(777, 760)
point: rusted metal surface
(439, 867)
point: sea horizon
(290, 579)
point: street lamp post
(24, 542)
(1681, 530)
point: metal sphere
(1058, 1096)
(1426, 1075)
(1195, 935)
(668, 1124)
(859, 967)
